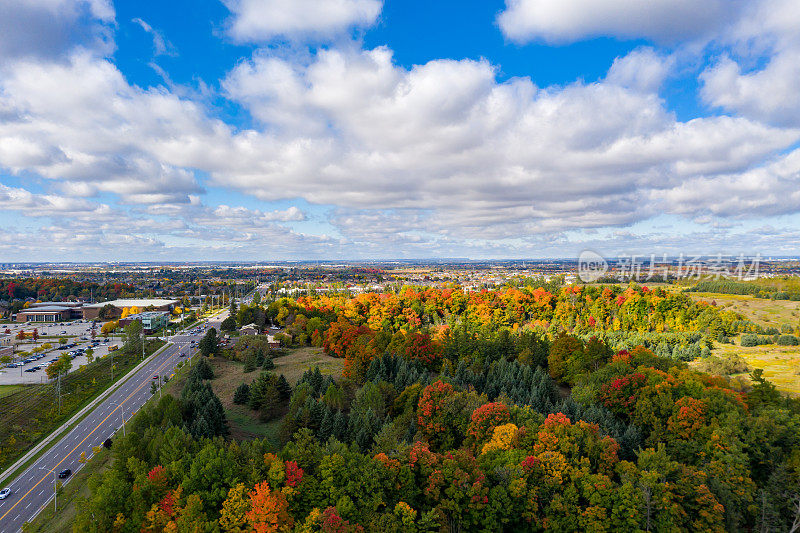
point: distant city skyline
(258, 130)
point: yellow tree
(233, 518)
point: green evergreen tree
(283, 387)
(242, 394)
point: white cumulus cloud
(264, 20)
(666, 21)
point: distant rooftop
(155, 302)
(56, 304)
(45, 309)
(147, 314)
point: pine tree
(326, 428)
(340, 427)
(242, 394)
(283, 387)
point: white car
(4, 493)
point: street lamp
(122, 413)
(55, 486)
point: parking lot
(79, 339)
(72, 329)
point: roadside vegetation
(31, 412)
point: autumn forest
(533, 407)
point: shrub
(725, 366)
(754, 340)
(788, 340)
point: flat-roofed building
(75, 308)
(115, 307)
(54, 313)
(151, 320)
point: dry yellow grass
(768, 313)
(781, 364)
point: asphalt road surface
(33, 489)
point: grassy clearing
(61, 522)
(298, 360)
(244, 422)
(768, 313)
(781, 364)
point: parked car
(64, 474)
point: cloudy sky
(328, 129)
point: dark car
(64, 474)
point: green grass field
(781, 364)
(6, 390)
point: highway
(33, 489)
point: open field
(781, 364)
(298, 360)
(768, 313)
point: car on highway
(64, 474)
(5, 493)
(155, 376)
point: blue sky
(328, 129)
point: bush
(242, 394)
(788, 340)
(725, 366)
(268, 364)
(754, 340)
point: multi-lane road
(33, 489)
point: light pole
(122, 413)
(55, 486)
